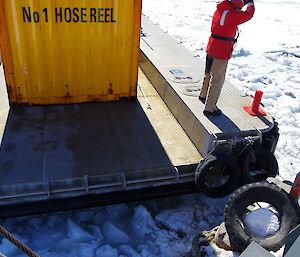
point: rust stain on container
(91, 46)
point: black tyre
(218, 176)
(237, 208)
(257, 165)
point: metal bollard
(254, 109)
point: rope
(204, 238)
(17, 243)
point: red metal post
(255, 109)
(295, 191)
(256, 101)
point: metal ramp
(66, 151)
(177, 76)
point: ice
(107, 251)
(128, 251)
(117, 211)
(178, 220)
(54, 220)
(51, 254)
(142, 222)
(7, 248)
(96, 231)
(99, 216)
(83, 249)
(35, 222)
(262, 222)
(76, 233)
(63, 245)
(85, 215)
(114, 235)
(145, 251)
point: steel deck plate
(62, 151)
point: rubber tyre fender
(232, 169)
(237, 204)
(264, 159)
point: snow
(262, 222)
(266, 57)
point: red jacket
(224, 24)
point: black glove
(248, 1)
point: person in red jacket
(224, 33)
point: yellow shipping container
(70, 51)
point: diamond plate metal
(175, 141)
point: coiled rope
(17, 242)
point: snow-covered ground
(266, 57)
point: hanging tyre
(218, 176)
(248, 207)
(257, 164)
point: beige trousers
(213, 82)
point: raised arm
(241, 16)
